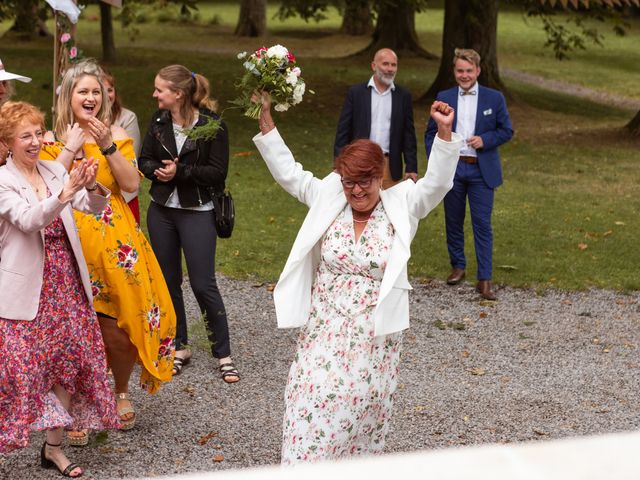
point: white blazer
(23, 217)
(405, 204)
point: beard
(384, 78)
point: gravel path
(597, 96)
(529, 367)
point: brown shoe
(484, 289)
(457, 275)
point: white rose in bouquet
(272, 70)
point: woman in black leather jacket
(180, 218)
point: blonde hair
(194, 88)
(64, 112)
(12, 114)
(466, 54)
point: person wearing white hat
(6, 88)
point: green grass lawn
(565, 217)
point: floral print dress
(61, 346)
(340, 388)
(126, 279)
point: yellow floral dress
(126, 279)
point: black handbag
(225, 212)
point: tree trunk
(634, 125)
(252, 21)
(106, 29)
(357, 18)
(396, 29)
(469, 24)
(26, 21)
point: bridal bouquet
(273, 70)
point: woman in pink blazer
(53, 369)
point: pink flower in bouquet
(65, 37)
(261, 51)
(290, 57)
(73, 53)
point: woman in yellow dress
(131, 298)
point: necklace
(35, 184)
(361, 221)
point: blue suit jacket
(355, 122)
(493, 124)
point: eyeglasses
(28, 137)
(364, 183)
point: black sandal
(179, 363)
(229, 370)
(46, 463)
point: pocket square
(487, 112)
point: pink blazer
(23, 217)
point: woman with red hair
(345, 283)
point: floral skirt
(61, 346)
(339, 393)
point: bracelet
(69, 150)
(92, 189)
(267, 125)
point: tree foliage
(568, 33)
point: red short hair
(361, 158)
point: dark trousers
(468, 182)
(173, 231)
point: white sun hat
(4, 75)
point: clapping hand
(75, 138)
(100, 132)
(82, 176)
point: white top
(404, 204)
(466, 119)
(174, 200)
(380, 115)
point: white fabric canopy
(68, 7)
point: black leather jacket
(202, 165)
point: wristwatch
(110, 150)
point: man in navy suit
(483, 120)
(381, 111)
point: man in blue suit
(381, 111)
(482, 118)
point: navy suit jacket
(355, 122)
(493, 124)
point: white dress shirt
(380, 115)
(466, 118)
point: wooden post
(56, 66)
